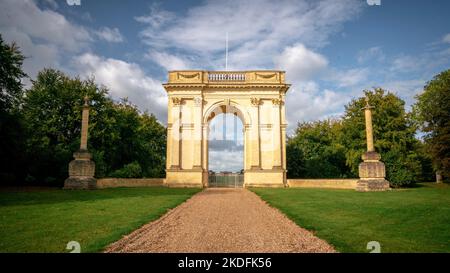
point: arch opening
(225, 147)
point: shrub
(132, 170)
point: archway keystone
(256, 97)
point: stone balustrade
(219, 77)
(226, 76)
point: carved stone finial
(86, 101)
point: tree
(11, 126)
(52, 112)
(122, 140)
(128, 136)
(394, 136)
(11, 74)
(432, 110)
(295, 160)
(322, 155)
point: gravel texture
(221, 220)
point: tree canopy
(119, 134)
(333, 148)
(11, 126)
(432, 111)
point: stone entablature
(226, 77)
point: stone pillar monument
(438, 177)
(372, 171)
(82, 168)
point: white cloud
(256, 31)
(348, 78)
(446, 38)
(226, 160)
(38, 56)
(406, 89)
(43, 35)
(373, 53)
(112, 35)
(125, 80)
(305, 104)
(406, 63)
(300, 63)
(46, 25)
(168, 61)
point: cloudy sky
(330, 49)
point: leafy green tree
(11, 74)
(11, 125)
(323, 156)
(394, 136)
(128, 136)
(123, 140)
(52, 111)
(432, 110)
(295, 160)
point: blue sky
(331, 50)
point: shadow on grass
(58, 196)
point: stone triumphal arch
(256, 97)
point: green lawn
(409, 220)
(46, 221)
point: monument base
(372, 173)
(80, 183)
(81, 172)
(372, 185)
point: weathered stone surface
(372, 170)
(371, 156)
(439, 177)
(80, 183)
(82, 168)
(323, 183)
(81, 172)
(104, 183)
(372, 185)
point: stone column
(254, 137)
(84, 125)
(205, 135)
(283, 127)
(175, 138)
(82, 168)
(276, 134)
(197, 138)
(372, 171)
(247, 147)
(369, 129)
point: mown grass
(407, 220)
(45, 221)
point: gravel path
(221, 220)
